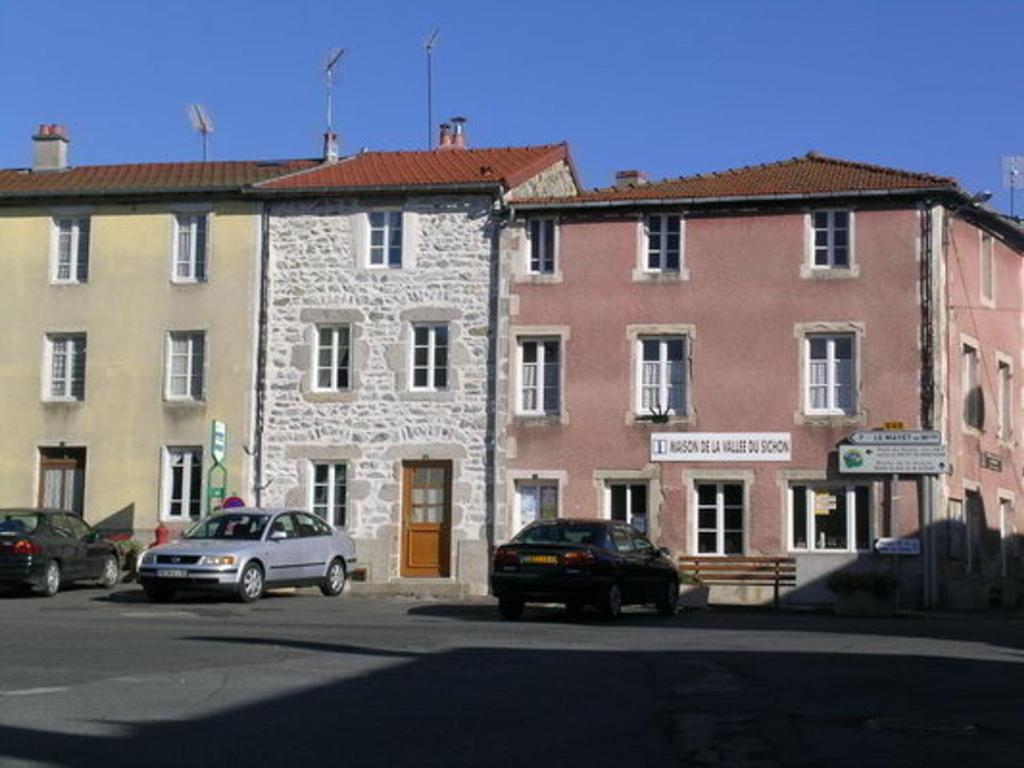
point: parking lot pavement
(90, 677)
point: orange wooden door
(426, 518)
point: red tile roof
(808, 175)
(508, 166)
(145, 177)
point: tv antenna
(429, 45)
(202, 124)
(331, 61)
(1013, 176)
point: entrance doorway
(426, 518)
(62, 479)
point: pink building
(688, 355)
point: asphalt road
(94, 678)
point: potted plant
(862, 593)
(129, 550)
(693, 593)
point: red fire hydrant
(162, 535)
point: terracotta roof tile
(508, 166)
(808, 175)
(145, 177)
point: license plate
(540, 559)
(172, 573)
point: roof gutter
(483, 186)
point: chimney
(330, 147)
(458, 132)
(50, 148)
(626, 179)
(444, 141)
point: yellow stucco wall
(126, 308)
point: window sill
(967, 429)
(67, 283)
(643, 420)
(62, 402)
(429, 396)
(830, 419)
(328, 396)
(541, 419)
(808, 272)
(539, 278)
(186, 283)
(645, 276)
(184, 404)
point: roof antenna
(202, 124)
(334, 56)
(429, 45)
(1013, 176)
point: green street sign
(219, 441)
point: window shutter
(78, 368)
(410, 238)
(198, 365)
(200, 248)
(83, 250)
(359, 226)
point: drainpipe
(261, 356)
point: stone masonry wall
(316, 277)
(554, 181)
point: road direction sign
(893, 459)
(898, 546)
(219, 441)
(897, 437)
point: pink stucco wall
(744, 297)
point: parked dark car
(603, 563)
(44, 548)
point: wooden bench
(772, 572)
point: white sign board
(219, 441)
(897, 437)
(721, 446)
(893, 459)
(898, 546)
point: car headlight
(218, 560)
(149, 558)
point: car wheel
(611, 602)
(158, 594)
(51, 579)
(510, 609)
(111, 573)
(668, 603)
(334, 582)
(250, 585)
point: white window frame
(849, 490)
(719, 528)
(332, 504)
(190, 337)
(970, 382)
(631, 514)
(831, 374)
(72, 347)
(78, 249)
(538, 486)
(540, 241)
(1004, 381)
(830, 246)
(335, 349)
(390, 216)
(541, 383)
(432, 367)
(663, 341)
(190, 220)
(987, 268)
(662, 267)
(190, 455)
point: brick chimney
(50, 148)
(459, 132)
(625, 179)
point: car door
(315, 543)
(626, 563)
(69, 549)
(651, 567)
(286, 562)
(91, 551)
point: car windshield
(229, 527)
(560, 533)
(18, 522)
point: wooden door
(62, 479)
(426, 518)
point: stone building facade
(381, 403)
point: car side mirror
(278, 535)
(665, 552)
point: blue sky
(671, 88)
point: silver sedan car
(248, 550)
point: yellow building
(130, 302)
